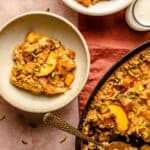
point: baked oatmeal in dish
(87, 3)
(42, 65)
(120, 110)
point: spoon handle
(58, 123)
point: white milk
(138, 15)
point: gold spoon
(57, 122)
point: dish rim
(103, 80)
(81, 38)
(91, 13)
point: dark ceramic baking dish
(102, 81)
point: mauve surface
(16, 127)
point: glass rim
(135, 18)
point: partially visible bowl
(13, 33)
(100, 9)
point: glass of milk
(138, 15)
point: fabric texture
(109, 38)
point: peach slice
(52, 58)
(69, 79)
(33, 37)
(85, 2)
(49, 66)
(120, 117)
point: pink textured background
(14, 129)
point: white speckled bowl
(100, 9)
(14, 33)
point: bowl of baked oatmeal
(44, 62)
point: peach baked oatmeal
(87, 3)
(120, 110)
(42, 65)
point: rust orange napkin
(108, 38)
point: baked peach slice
(69, 79)
(85, 2)
(120, 117)
(33, 37)
(49, 66)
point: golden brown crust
(42, 65)
(122, 105)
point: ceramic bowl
(14, 32)
(100, 9)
